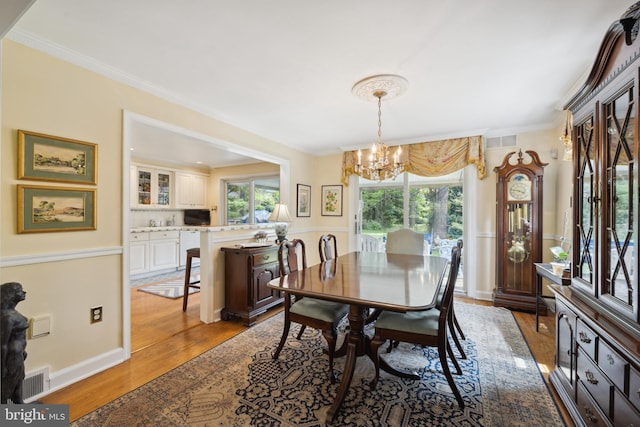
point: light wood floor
(163, 337)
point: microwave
(197, 217)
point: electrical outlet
(96, 314)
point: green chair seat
(415, 322)
(326, 311)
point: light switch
(40, 326)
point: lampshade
(280, 213)
(281, 217)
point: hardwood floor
(163, 337)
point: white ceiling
(284, 69)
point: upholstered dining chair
(427, 328)
(311, 312)
(405, 241)
(328, 247)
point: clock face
(519, 188)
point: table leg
(356, 346)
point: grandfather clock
(518, 231)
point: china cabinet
(597, 372)
(518, 230)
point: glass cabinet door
(164, 189)
(144, 187)
(585, 205)
(619, 200)
(153, 187)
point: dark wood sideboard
(247, 272)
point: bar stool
(191, 253)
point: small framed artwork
(43, 209)
(304, 200)
(52, 158)
(332, 200)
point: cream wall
(65, 274)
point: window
(251, 200)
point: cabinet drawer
(634, 387)
(588, 410)
(612, 364)
(265, 258)
(139, 237)
(594, 381)
(587, 339)
(623, 413)
(158, 235)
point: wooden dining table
(367, 280)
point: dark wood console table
(546, 271)
(247, 271)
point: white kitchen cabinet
(163, 249)
(188, 240)
(191, 190)
(151, 187)
(139, 253)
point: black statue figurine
(13, 333)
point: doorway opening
(432, 206)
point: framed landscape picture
(332, 200)
(304, 200)
(51, 158)
(43, 209)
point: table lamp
(281, 217)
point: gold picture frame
(51, 158)
(45, 209)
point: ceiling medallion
(380, 166)
(393, 85)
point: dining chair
(311, 312)
(427, 328)
(405, 241)
(454, 326)
(328, 247)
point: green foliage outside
(432, 210)
(238, 203)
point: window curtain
(433, 158)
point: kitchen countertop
(205, 228)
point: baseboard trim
(86, 368)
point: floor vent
(35, 383)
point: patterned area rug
(238, 384)
(171, 289)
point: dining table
(367, 281)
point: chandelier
(381, 163)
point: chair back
(328, 247)
(288, 256)
(369, 243)
(445, 297)
(405, 241)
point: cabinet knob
(589, 415)
(590, 377)
(584, 338)
(610, 359)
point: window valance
(434, 158)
